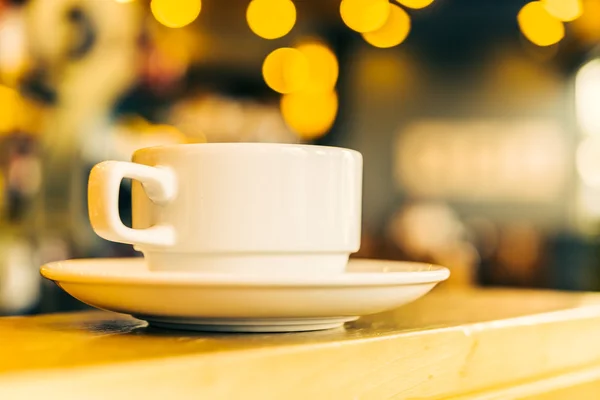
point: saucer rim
(64, 272)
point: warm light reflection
(428, 230)
(175, 14)
(588, 161)
(218, 118)
(587, 97)
(416, 4)
(364, 15)
(309, 114)
(286, 70)
(132, 133)
(564, 10)
(538, 26)
(422, 229)
(322, 64)
(271, 19)
(393, 32)
(488, 160)
(14, 55)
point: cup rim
(249, 146)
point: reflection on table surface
(450, 342)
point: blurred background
(478, 120)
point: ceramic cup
(235, 207)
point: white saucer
(244, 303)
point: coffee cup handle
(160, 185)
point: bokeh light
(271, 19)
(323, 66)
(589, 201)
(588, 161)
(175, 13)
(14, 54)
(587, 97)
(364, 15)
(393, 32)
(286, 70)
(564, 10)
(10, 102)
(538, 26)
(587, 26)
(309, 114)
(416, 4)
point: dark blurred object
(573, 263)
(36, 86)
(86, 33)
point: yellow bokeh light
(416, 4)
(10, 108)
(564, 10)
(364, 15)
(286, 70)
(322, 65)
(309, 114)
(271, 19)
(175, 13)
(393, 32)
(538, 26)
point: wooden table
(480, 344)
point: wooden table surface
(479, 344)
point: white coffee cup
(235, 207)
